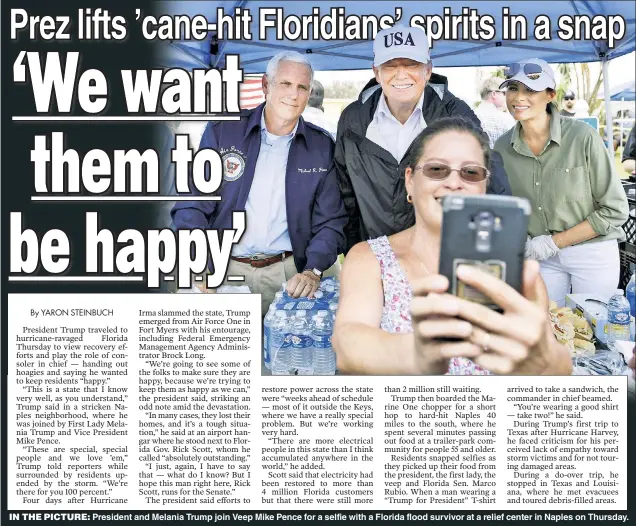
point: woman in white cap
(562, 167)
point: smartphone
(488, 231)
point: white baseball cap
(400, 42)
(534, 73)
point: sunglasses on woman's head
(471, 173)
(532, 71)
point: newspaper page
(146, 375)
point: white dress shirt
(494, 121)
(389, 133)
(318, 117)
(266, 229)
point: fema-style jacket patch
(233, 165)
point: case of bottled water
(297, 332)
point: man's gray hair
(287, 56)
(488, 86)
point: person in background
(561, 166)
(581, 108)
(492, 112)
(279, 169)
(569, 101)
(314, 112)
(629, 152)
(376, 132)
(395, 310)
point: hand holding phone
(486, 231)
(516, 340)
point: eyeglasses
(568, 98)
(472, 173)
(532, 71)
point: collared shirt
(570, 181)
(315, 214)
(266, 212)
(389, 133)
(494, 121)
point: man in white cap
(376, 132)
(569, 100)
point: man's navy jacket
(315, 213)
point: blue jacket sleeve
(328, 220)
(498, 184)
(187, 215)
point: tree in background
(584, 82)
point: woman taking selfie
(561, 166)
(394, 307)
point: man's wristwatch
(317, 273)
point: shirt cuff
(600, 225)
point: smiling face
(455, 149)
(524, 104)
(287, 93)
(403, 80)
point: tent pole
(609, 125)
(622, 118)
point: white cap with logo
(534, 73)
(400, 42)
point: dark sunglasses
(440, 171)
(532, 71)
(568, 98)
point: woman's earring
(409, 199)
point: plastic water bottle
(327, 285)
(630, 293)
(301, 343)
(267, 330)
(280, 346)
(336, 297)
(324, 359)
(617, 319)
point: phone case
(488, 231)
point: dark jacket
(629, 151)
(315, 213)
(370, 178)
